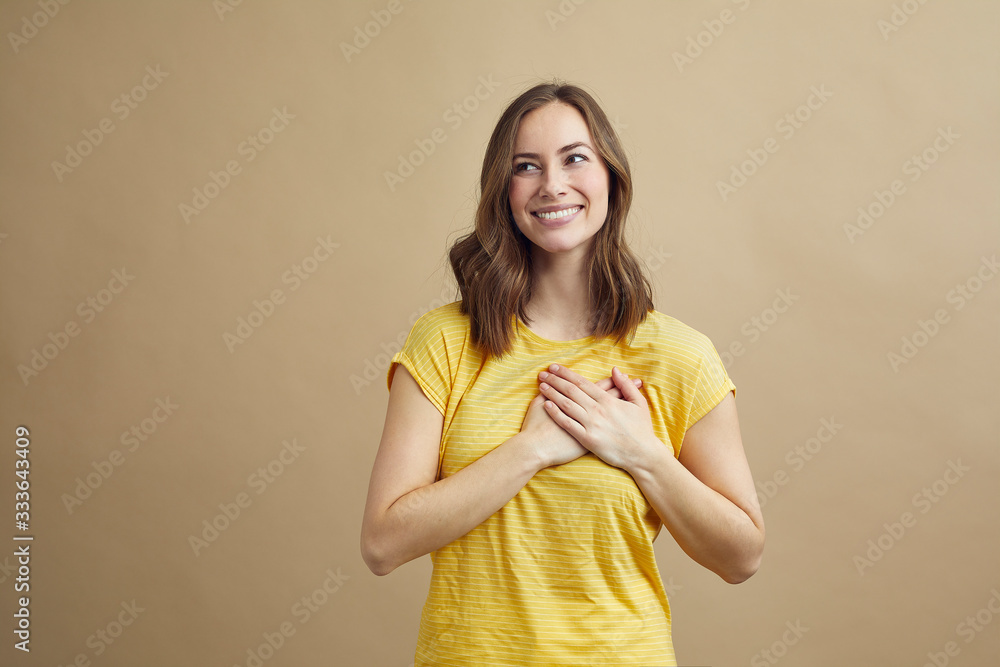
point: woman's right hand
(553, 445)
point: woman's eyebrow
(565, 149)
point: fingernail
(554, 367)
(543, 374)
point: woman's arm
(706, 498)
(408, 514)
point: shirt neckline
(524, 330)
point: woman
(516, 448)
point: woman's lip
(557, 222)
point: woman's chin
(557, 250)
(562, 246)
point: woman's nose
(553, 183)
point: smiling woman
(518, 451)
(559, 186)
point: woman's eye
(576, 158)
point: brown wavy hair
(492, 264)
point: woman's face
(559, 187)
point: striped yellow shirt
(564, 573)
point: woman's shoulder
(448, 319)
(667, 332)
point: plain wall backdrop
(219, 220)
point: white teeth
(555, 215)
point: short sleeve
(713, 382)
(425, 355)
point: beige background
(306, 372)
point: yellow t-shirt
(564, 573)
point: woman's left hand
(618, 430)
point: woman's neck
(559, 308)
